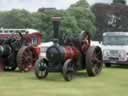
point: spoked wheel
(85, 41)
(94, 61)
(41, 69)
(68, 70)
(25, 59)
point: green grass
(111, 82)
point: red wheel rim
(26, 58)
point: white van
(115, 48)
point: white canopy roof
(7, 31)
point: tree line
(76, 18)
(80, 16)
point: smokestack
(56, 23)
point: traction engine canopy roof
(15, 31)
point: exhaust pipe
(56, 23)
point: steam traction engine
(76, 54)
(18, 49)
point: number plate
(113, 61)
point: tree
(84, 16)
(15, 19)
(73, 20)
(69, 26)
(45, 15)
(119, 2)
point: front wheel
(94, 60)
(41, 68)
(68, 70)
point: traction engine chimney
(56, 23)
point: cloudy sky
(33, 5)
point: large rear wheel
(25, 59)
(94, 60)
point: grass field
(112, 82)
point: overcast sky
(33, 5)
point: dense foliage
(119, 2)
(75, 19)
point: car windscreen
(115, 40)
